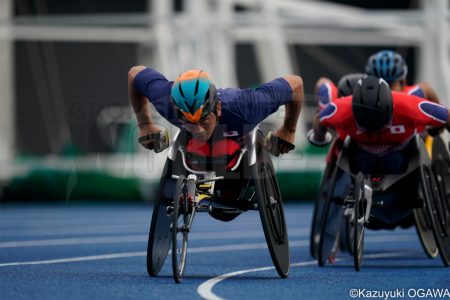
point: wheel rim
(425, 232)
(179, 232)
(442, 172)
(274, 205)
(159, 244)
(434, 203)
(181, 244)
(329, 232)
(358, 223)
(271, 212)
(319, 210)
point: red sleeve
(423, 111)
(337, 113)
(326, 93)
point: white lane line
(75, 259)
(205, 289)
(75, 241)
(207, 249)
(295, 232)
(223, 248)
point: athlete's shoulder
(415, 90)
(339, 110)
(326, 93)
(410, 106)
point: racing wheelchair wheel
(331, 224)
(346, 239)
(159, 239)
(271, 210)
(425, 232)
(319, 208)
(434, 185)
(183, 210)
(359, 219)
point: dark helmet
(194, 95)
(347, 84)
(372, 104)
(388, 65)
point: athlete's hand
(282, 141)
(153, 137)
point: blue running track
(98, 252)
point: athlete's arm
(292, 112)
(429, 93)
(141, 108)
(319, 130)
(325, 91)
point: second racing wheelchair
(235, 181)
(419, 196)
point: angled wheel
(181, 220)
(159, 239)
(441, 170)
(331, 224)
(347, 232)
(425, 232)
(359, 220)
(271, 211)
(437, 210)
(319, 208)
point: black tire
(319, 208)
(437, 210)
(180, 220)
(159, 239)
(347, 235)
(271, 211)
(331, 224)
(425, 232)
(358, 220)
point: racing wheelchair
(384, 201)
(185, 189)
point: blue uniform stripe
(327, 112)
(435, 111)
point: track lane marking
(205, 289)
(219, 248)
(296, 232)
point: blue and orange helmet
(194, 95)
(388, 65)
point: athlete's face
(203, 129)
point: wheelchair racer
(193, 103)
(382, 123)
(391, 66)
(215, 119)
(385, 64)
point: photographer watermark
(412, 293)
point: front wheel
(438, 212)
(180, 229)
(359, 220)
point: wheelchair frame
(175, 208)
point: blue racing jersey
(242, 109)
